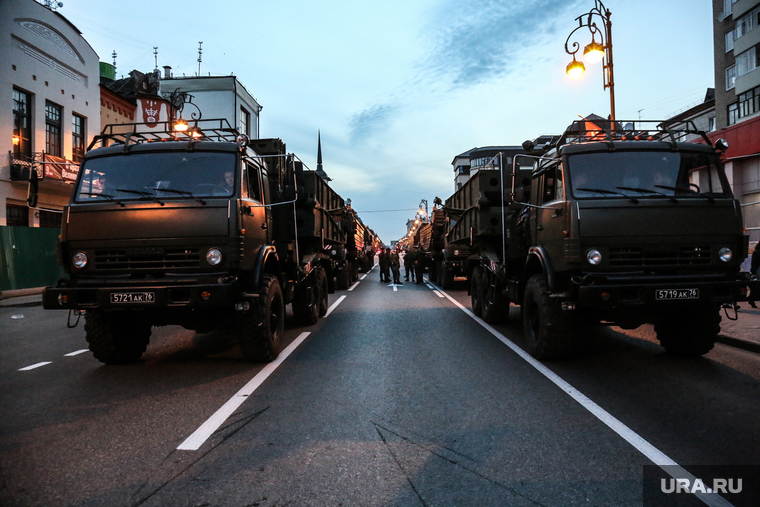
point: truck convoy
(206, 230)
(606, 226)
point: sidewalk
(743, 333)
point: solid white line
(353, 286)
(199, 437)
(335, 304)
(33, 366)
(655, 455)
(438, 293)
(76, 352)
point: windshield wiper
(610, 192)
(687, 189)
(647, 191)
(106, 196)
(183, 192)
(143, 194)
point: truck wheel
(549, 330)
(260, 329)
(494, 306)
(306, 300)
(447, 277)
(689, 333)
(476, 293)
(322, 290)
(116, 338)
(341, 278)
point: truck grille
(642, 257)
(146, 258)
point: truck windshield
(648, 174)
(167, 175)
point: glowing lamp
(593, 53)
(16, 140)
(180, 126)
(575, 69)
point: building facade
(736, 37)
(488, 157)
(49, 81)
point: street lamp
(424, 201)
(595, 51)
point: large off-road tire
(116, 337)
(494, 305)
(476, 292)
(261, 328)
(689, 333)
(549, 330)
(306, 300)
(446, 276)
(341, 277)
(322, 291)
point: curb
(739, 344)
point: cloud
(365, 123)
(476, 41)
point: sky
(398, 88)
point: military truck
(608, 226)
(203, 229)
(447, 260)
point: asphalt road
(397, 397)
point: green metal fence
(27, 257)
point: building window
(730, 36)
(730, 77)
(728, 7)
(733, 113)
(53, 129)
(748, 104)
(746, 62)
(16, 215)
(711, 124)
(747, 22)
(22, 125)
(245, 122)
(50, 218)
(78, 136)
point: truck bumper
(147, 296)
(665, 293)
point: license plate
(670, 294)
(133, 297)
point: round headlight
(213, 256)
(594, 257)
(79, 260)
(725, 254)
(334, 252)
(456, 252)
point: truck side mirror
(34, 185)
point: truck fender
(267, 262)
(537, 255)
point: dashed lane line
(199, 437)
(76, 352)
(334, 305)
(655, 455)
(34, 366)
(354, 285)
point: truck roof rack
(218, 130)
(600, 130)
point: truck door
(253, 214)
(551, 217)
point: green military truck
(199, 229)
(610, 226)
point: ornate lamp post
(419, 213)
(595, 51)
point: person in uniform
(419, 263)
(409, 264)
(396, 267)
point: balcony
(47, 166)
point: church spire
(320, 171)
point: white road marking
(438, 293)
(395, 289)
(334, 305)
(33, 366)
(353, 286)
(199, 437)
(655, 455)
(76, 352)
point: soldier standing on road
(409, 264)
(396, 267)
(385, 265)
(419, 263)
(754, 268)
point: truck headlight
(214, 256)
(456, 252)
(79, 260)
(725, 254)
(594, 257)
